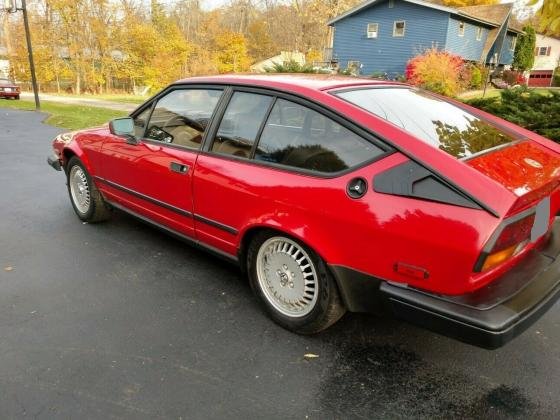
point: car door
(269, 162)
(153, 176)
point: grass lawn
(72, 117)
(494, 93)
(131, 99)
(120, 98)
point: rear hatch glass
(431, 119)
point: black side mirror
(123, 127)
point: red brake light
(514, 233)
(513, 237)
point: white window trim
(479, 32)
(462, 29)
(395, 28)
(391, 4)
(513, 43)
(373, 34)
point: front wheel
(86, 199)
(293, 284)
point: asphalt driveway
(117, 320)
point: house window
(478, 33)
(461, 28)
(512, 42)
(399, 27)
(372, 30)
(543, 51)
(391, 4)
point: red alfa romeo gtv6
(340, 194)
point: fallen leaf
(309, 356)
(9, 268)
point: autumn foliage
(438, 71)
(106, 45)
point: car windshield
(431, 119)
(5, 82)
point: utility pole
(11, 7)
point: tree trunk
(78, 84)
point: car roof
(287, 81)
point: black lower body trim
(170, 207)
(145, 197)
(215, 224)
(178, 235)
(359, 291)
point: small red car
(339, 194)
(9, 89)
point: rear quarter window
(299, 137)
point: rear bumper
(9, 94)
(488, 317)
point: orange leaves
(438, 71)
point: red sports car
(9, 89)
(339, 194)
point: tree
(549, 17)
(463, 3)
(231, 52)
(524, 55)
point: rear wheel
(293, 284)
(86, 199)
(17, 98)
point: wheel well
(68, 154)
(252, 232)
(246, 241)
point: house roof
(368, 3)
(492, 15)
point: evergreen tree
(524, 55)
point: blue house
(382, 35)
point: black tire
(17, 98)
(97, 210)
(328, 307)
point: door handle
(179, 168)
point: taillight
(510, 241)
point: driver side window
(181, 117)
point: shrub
(438, 71)
(513, 77)
(381, 75)
(535, 111)
(476, 78)
(293, 67)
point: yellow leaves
(549, 17)
(313, 55)
(462, 3)
(231, 52)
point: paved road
(119, 320)
(84, 100)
